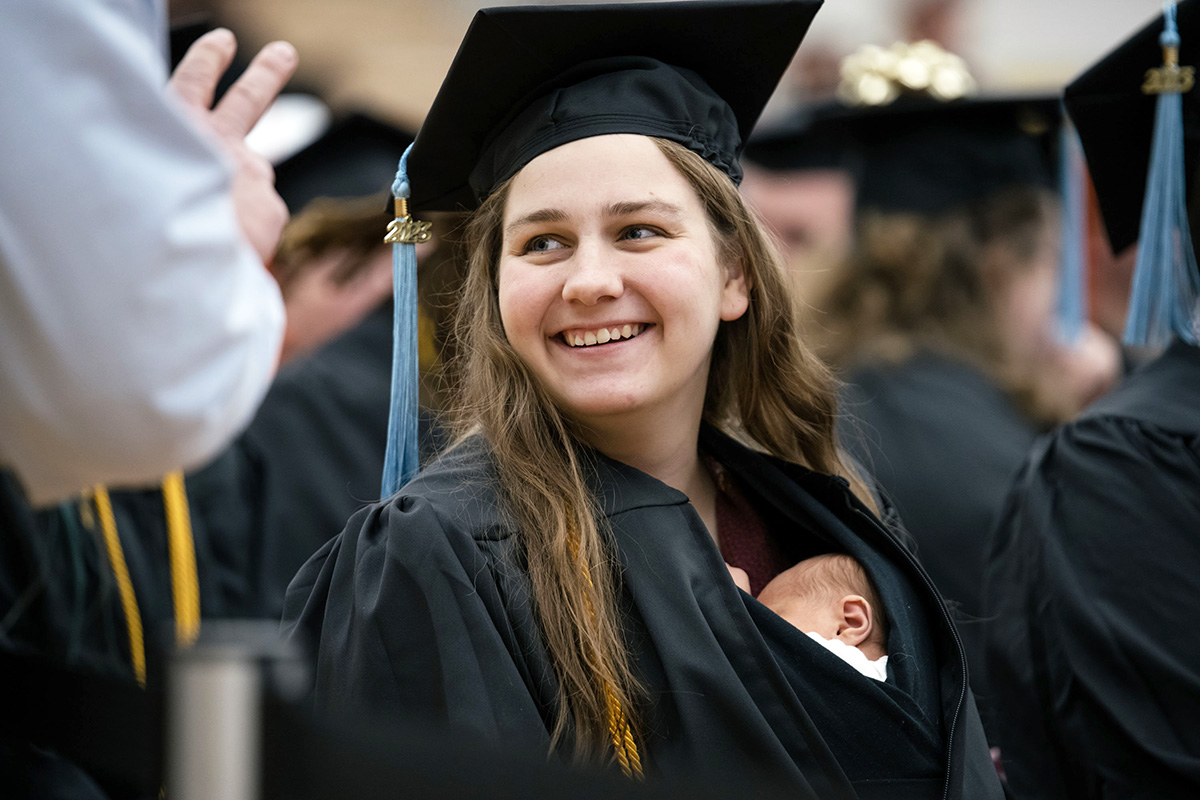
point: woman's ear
(855, 624)
(735, 295)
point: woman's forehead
(611, 175)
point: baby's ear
(855, 624)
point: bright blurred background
(388, 58)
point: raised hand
(261, 211)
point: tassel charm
(406, 230)
(1170, 78)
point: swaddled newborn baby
(830, 598)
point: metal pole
(214, 711)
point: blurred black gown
(944, 442)
(1094, 590)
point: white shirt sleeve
(138, 329)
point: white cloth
(856, 658)
(138, 329)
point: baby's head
(830, 595)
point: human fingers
(252, 94)
(260, 210)
(195, 79)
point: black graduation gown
(944, 443)
(1094, 587)
(419, 610)
(317, 445)
(59, 600)
(58, 593)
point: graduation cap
(1140, 127)
(356, 156)
(925, 142)
(923, 156)
(529, 79)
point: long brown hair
(764, 387)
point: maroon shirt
(742, 534)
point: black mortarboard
(924, 156)
(1115, 120)
(528, 79)
(356, 156)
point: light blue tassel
(1166, 286)
(1072, 301)
(400, 460)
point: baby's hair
(827, 576)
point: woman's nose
(593, 276)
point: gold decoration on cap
(1170, 77)
(407, 230)
(404, 229)
(876, 76)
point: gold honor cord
(618, 724)
(185, 578)
(116, 558)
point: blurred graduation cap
(528, 79)
(356, 156)
(924, 156)
(918, 154)
(906, 123)
(1142, 148)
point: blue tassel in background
(1072, 302)
(1166, 285)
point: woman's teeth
(602, 335)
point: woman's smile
(605, 334)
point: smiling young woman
(636, 410)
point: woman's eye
(638, 232)
(542, 244)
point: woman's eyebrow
(535, 218)
(655, 206)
